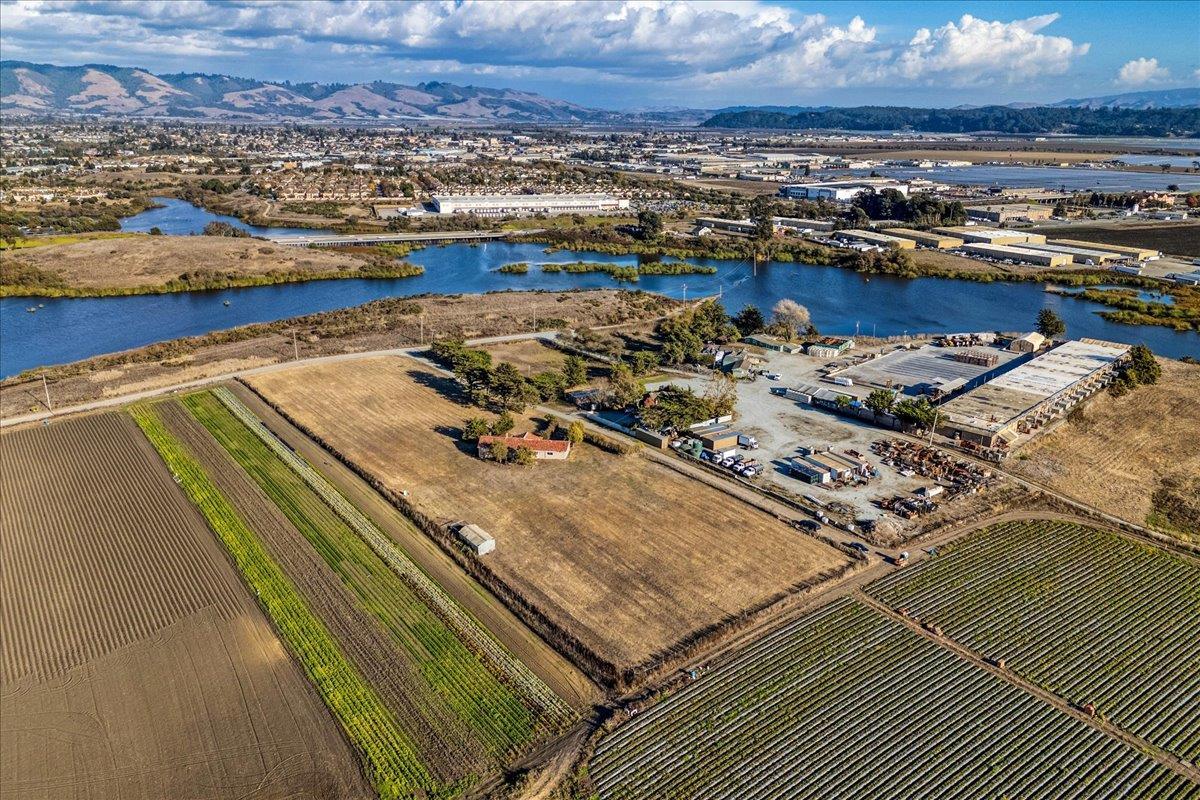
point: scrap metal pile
(957, 476)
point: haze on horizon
(645, 53)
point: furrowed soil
(1120, 454)
(627, 555)
(134, 664)
(1178, 238)
(382, 324)
(363, 639)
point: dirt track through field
(365, 641)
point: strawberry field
(847, 702)
(1106, 622)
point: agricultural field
(627, 555)
(847, 702)
(1134, 456)
(1090, 615)
(431, 701)
(134, 663)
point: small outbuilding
(479, 541)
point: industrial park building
(839, 191)
(1022, 255)
(1139, 253)
(991, 235)
(926, 239)
(871, 237)
(512, 204)
(1027, 397)
(1080, 255)
(1010, 212)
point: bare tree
(790, 315)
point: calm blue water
(841, 301)
(181, 218)
(1070, 178)
(1174, 161)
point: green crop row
(454, 676)
(391, 760)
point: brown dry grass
(527, 355)
(143, 261)
(626, 554)
(1117, 451)
(134, 664)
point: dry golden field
(528, 355)
(134, 663)
(1118, 451)
(626, 554)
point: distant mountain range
(105, 90)
(102, 89)
(1163, 98)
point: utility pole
(46, 389)
(295, 347)
(422, 320)
(684, 292)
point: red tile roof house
(542, 448)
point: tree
(503, 424)
(156, 231)
(524, 456)
(499, 452)
(643, 362)
(1050, 324)
(508, 388)
(624, 389)
(749, 320)
(881, 400)
(764, 228)
(574, 371)
(650, 224)
(791, 315)
(916, 412)
(1142, 367)
(721, 396)
(474, 428)
(575, 432)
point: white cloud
(1142, 71)
(684, 43)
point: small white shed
(476, 538)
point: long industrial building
(1080, 255)
(839, 191)
(991, 235)
(1027, 397)
(1140, 253)
(1023, 255)
(500, 205)
(871, 237)
(937, 241)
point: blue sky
(641, 53)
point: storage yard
(668, 556)
(152, 674)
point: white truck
(748, 442)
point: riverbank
(382, 324)
(134, 264)
(1181, 314)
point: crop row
(391, 760)
(456, 710)
(1101, 620)
(509, 668)
(849, 703)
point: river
(841, 301)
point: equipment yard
(620, 554)
(135, 665)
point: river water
(841, 301)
